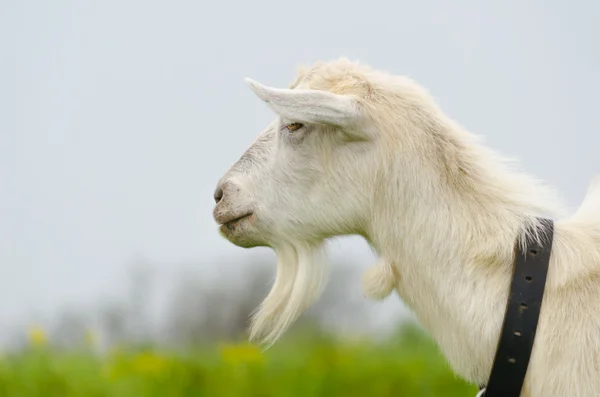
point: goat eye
(293, 126)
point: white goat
(358, 151)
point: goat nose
(218, 194)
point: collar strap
(522, 313)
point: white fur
(379, 280)
(441, 210)
(301, 272)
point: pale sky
(117, 118)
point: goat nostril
(218, 195)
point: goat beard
(302, 270)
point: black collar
(522, 313)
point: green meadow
(408, 364)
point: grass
(407, 365)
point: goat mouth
(230, 223)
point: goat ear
(309, 106)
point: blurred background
(117, 118)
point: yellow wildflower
(150, 364)
(90, 338)
(243, 353)
(37, 336)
